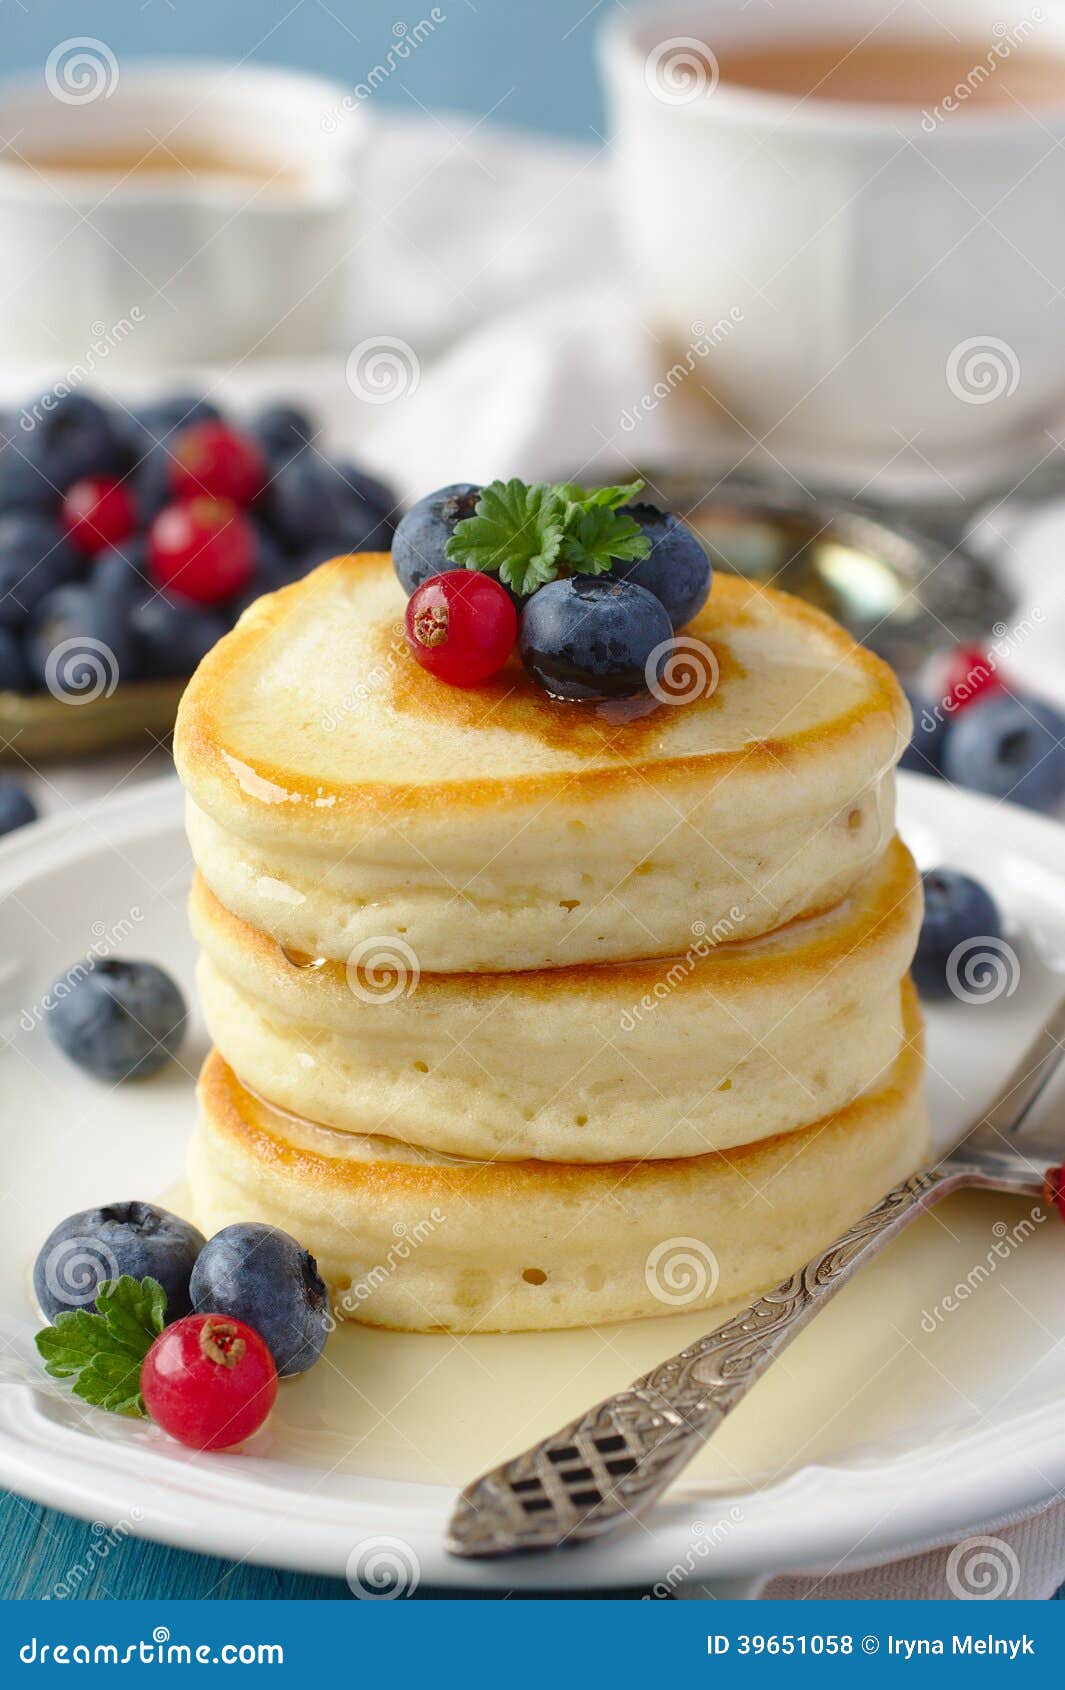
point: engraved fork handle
(615, 1460)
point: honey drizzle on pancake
(300, 959)
(622, 728)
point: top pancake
(339, 793)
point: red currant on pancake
(211, 458)
(202, 549)
(461, 626)
(98, 512)
(209, 1381)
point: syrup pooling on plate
(417, 1415)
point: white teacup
(863, 274)
(173, 264)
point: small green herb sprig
(103, 1352)
(531, 534)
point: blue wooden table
(46, 1554)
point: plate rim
(930, 1495)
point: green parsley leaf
(516, 534)
(103, 1352)
(607, 498)
(528, 535)
(601, 537)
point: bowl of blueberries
(131, 539)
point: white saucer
(891, 1424)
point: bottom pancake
(425, 1242)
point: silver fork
(611, 1464)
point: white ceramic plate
(893, 1422)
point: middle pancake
(724, 1045)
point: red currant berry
(1054, 1189)
(968, 674)
(98, 512)
(461, 626)
(203, 550)
(213, 460)
(209, 1381)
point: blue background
(528, 62)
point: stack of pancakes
(532, 1014)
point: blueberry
(120, 574)
(98, 1244)
(14, 670)
(282, 431)
(312, 557)
(586, 638)
(957, 910)
(925, 749)
(420, 538)
(677, 569)
(376, 494)
(150, 483)
(79, 644)
(75, 436)
(309, 500)
(260, 1275)
(16, 806)
(294, 570)
(155, 423)
(1009, 748)
(172, 637)
(119, 1020)
(34, 559)
(273, 567)
(22, 485)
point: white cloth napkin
(1023, 1560)
(491, 258)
